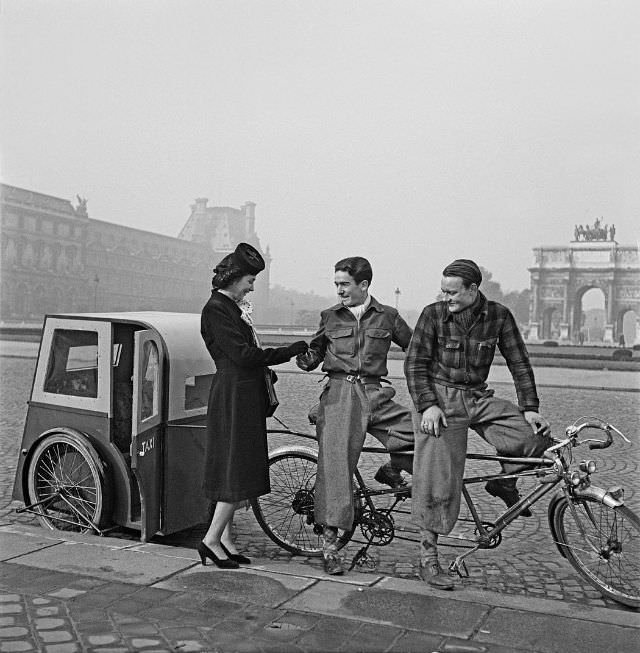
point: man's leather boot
(333, 564)
(389, 475)
(332, 560)
(433, 574)
(507, 491)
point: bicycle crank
(377, 527)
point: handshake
(297, 348)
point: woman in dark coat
(236, 462)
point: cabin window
(150, 381)
(196, 391)
(73, 364)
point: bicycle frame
(486, 537)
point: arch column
(608, 327)
(534, 319)
(564, 324)
(636, 340)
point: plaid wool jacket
(441, 352)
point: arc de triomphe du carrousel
(561, 275)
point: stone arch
(627, 327)
(580, 326)
(561, 276)
(551, 323)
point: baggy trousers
(438, 464)
(347, 412)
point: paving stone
(7, 621)
(80, 614)
(174, 634)
(15, 647)
(94, 627)
(48, 636)
(139, 629)
(101, 640)
(9, 598)
(40, 601)
(141, 642)
(11, 608)
(13, 631)
(188, 646)
(48, 623)
(48, 611)
(69, 647)
(66, 593)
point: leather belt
(356, 378)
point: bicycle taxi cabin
(115, 427)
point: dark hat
(248, 258)
(464, 268)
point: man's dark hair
(357, 266)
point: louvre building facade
(56, 259)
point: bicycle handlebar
(594, 423)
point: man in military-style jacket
(352, 343)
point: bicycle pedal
(459, 569)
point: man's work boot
(507, 492)
(389, 475)
(333, 564)
(433, 574)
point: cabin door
(147, 429)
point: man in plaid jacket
(446, 366)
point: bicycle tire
(607, 555)
(69, 462)
(286, 514)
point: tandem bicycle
(591, 526)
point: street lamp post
(397, 294)
(96, 281)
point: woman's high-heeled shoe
(236, 557)
(224, 563)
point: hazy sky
(408, 132)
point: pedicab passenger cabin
(115, 427)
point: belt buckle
(352, 378)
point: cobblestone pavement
(526, 563)
(64, 613)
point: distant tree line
(297, 308)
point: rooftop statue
(599, 232)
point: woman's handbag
(270, 377)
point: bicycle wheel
(66, 478)
(286, 515)
(603, 544)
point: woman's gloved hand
(298, 347)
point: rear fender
(78, 436)
(309, 451)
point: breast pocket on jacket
(377, 341)
(450, 351)
(341, 341)
(483, 352)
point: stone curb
(187, 558)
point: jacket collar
(484, 308)
(220, 296)
(374, 304)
